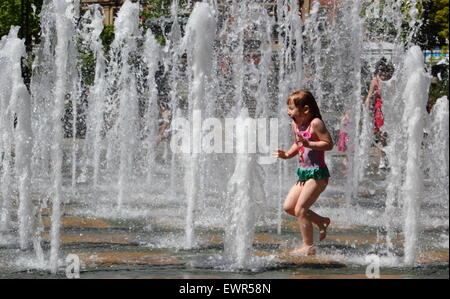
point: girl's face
(384, 76)
(298, 114)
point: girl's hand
(303, 140)
(281, 154)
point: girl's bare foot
(323, 228)
(305, 250)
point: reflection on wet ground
(146, 241)
(107, 250)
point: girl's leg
(291, 199)
(289, 207)
(308, 196)
(321, 222)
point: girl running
(312, 139)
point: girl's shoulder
(317, 122)
(376, 82)
(317, 125)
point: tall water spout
(42, 92)
(173, 62)
(93, 26)
(200, 33)
(22, 106)
(240, 229)
(16, 102)
(124, 46)
(415, 96)
(10, 47)
(152, 57)
(438, 145)
(64, 31)
(291, 74)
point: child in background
(164, 123)
(343, 136)
(383, 72)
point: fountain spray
(415, 96)
(200, 33)
(64, 32)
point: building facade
(110, 8)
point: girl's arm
(292, 152)
(320, 130)
(369, 95)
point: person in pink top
(344, 128)
(312, 139)
(343, 133)
(383, 72)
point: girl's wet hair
(383, 66)
(304, 98)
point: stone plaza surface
(148, 243)
(105, 250)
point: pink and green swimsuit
(312, 162)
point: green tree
(154, 9)
(158, 8)
(434, 31)
(9, 15)
(434, 34)
(14, 13)
(107, 36)
(441, 18)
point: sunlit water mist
(233, 60)
(198, 42)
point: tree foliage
(107, 36)
(441, 18)
(434, 31)
(11, 15)
(158, 8)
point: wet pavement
(147, 243)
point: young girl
(383, 72)
(312, 139)
(343, 136)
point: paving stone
(121, 239)
(359, 239)
(293, 224)
(429, 257)
(64, 210)
(260, 239)
(266, 239)
(316, 261)
(106, 259)
(75, 222)
(213, 239)
(304, 260)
